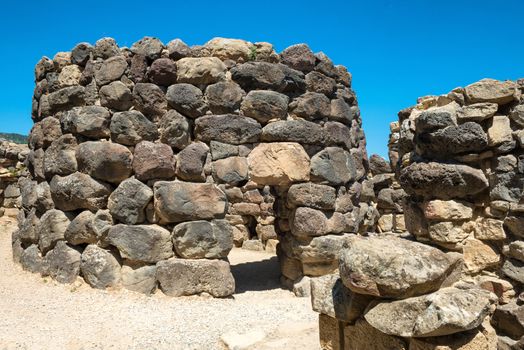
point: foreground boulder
(203, 239)
(63, 262)
(128, 202)
(105, 161)
(421, 270)
(178, 277)
(447, 311)
(79, 191)
(141, 243)
(99, 267)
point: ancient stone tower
(149, 163)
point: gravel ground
(37, 313)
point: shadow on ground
(257, 275)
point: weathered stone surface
(362, 335)
(153, 161)
(330, 297)
(378, 165)
(182, 201)
(69, 76)
(149, 47)
(343, 112)
(229, 49)
(87, 227)
(444, 312)
(330, 333)
(489, 90)
(318, 82)
(224, 97)
(200, 70)
(105, 161)
(162, 72)
(517, 114)
(36, 195)
(178, 277)
(467, 137)
(116, 96)
(65, 98)
(514, 269)
(203, 239)
(489, 229)
(89, 121)
(299, 57)
(139, 278)
(516, 250)
(141, 243)
(227, 128)
(35, 163)
(479, 256)
(499, 131)
(301, 131)
(423, 268)
(311, 106)
(187, 99)
(99, 267)
(105, 48)
(477, 111)
(509, 319)
(447, 210)
(308, 222)
(259, 75)
(444, 181)
(436, 118)
(128, 202)
(174, 130)
(178, 49)
(59, 158)
(149, 99)
(311, 195)
(334, 166)
(191, 161)
(32, 261)
(131, 127)
(447, 233)
(232, 170)
(44, 133)
(63, 262)
(264, 105)
(27, 228)
(484, 337)
(51, 229)
(80, 53)
(279, 163)
(111, 69)
(78, 191)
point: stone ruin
(12, 168)
(457, 281)
(148, 164)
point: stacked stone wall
(12, 168)
(149, 163)
(458, 158)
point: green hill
(16, 138)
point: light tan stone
(232, 49)
(490, 90)
(447, 210)
(385, 223)
(69, 76)
(278, 163)
(447, 232)
(399, 223)
(500, 131)
(479, 256)
(329, 332)
(362, 336)
(200, 70)
(489, 229)
(477, 111)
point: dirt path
(38, 313)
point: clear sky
(396, 50)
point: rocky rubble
(457, 158)
(149, 163)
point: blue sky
(396, 50)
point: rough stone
(99, 267)
(51, 229)
(259, 75)
(311, 106)
(149, 47)
(489, 90)
(59, 158)
(131, 127)
(191, 161)
(299, 57)
(264, 105)
(116, 95)
(128, 202)
(111, 69)
(334, 166)
(224, 97)
(447, 210)
(477, 111)
(362, 335)
(153, 161)
(301, 131)
(203, 239)
(200, 70)
(89, 121)
(139, 278)
(311, 195)
(227, 128)
(174, 130)
(64, 263)
(187, 99)
(232, 170)
(105, 161)
(78, 191)
(162, 72)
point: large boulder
(444, 312)
(149, 47)
(99, 267)
(186, 99)
(312, 195)
(264, 105)
(200, 70)
(149, 99)
(224, 97)
(178, 277)
(259, 75)
(111, 69)
(311, 106)
(105, 161)
(191, 161)
(153, 161)
(128, 202)
(44, 133)
(362, 335)
(299, 57)
(229, 49)
(421, 270)
(182, 201)
(116, 95)
(141, 243)
(203, 239)
(59, 158)
(489, 90)
(36, 196)
(231, 170)
(88, 227)
(227, 128)
(443, 181)
(509, 319)
(131, 127)
(139, 278)
(63, 262)
(334, 166)
(278, 163)
(88, 121)
(51, 229)
(301, 131)
(174, 130)
(162, 72)
(78, 191)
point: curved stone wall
(149, 163)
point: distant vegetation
(16, 138)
